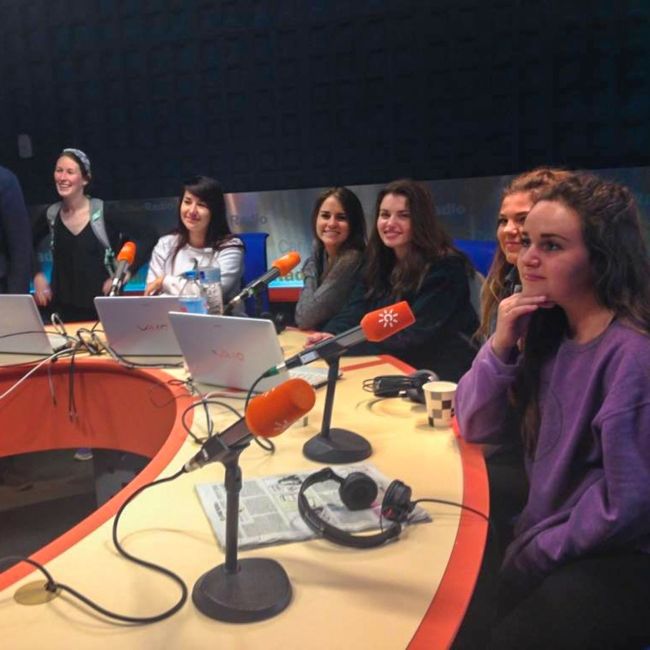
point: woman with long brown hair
(517, 199)
(577, 392)
(411, 257)
(339, 229)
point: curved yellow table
(412, 593)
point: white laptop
(22, 330)
(232, 352)
(138, 326)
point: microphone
(124, 260)
(279, 267)
(267, 415)
(375, 326)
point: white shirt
(230, 260)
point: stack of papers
(268, 508)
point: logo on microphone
(388, 318)
(281, 425)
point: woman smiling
(339, 231)
(411, 257)
(202, 238)
(84, 237)
(517, 200)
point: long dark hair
(353, 211)
(620, 267)
(429, 242)
(532, 182)
(218, 234)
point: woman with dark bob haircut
(202, 238)
(568, 370)
(339, 229)
(411, 257)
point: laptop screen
(229, 351)
(139, 325)
(21, 327)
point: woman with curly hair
(568, 371)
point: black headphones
(357, 492)
(395, 385)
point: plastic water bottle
(210, 277)
(192, 294)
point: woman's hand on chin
(513, 318)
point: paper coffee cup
(439, 401)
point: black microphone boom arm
(218, 447)
(327, 349)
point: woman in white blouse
(201, 238)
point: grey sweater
(321, 300)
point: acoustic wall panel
(272, 94)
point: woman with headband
(83, 243)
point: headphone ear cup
(417, 380)
(388, 385)
(397, 504)
(358, 491)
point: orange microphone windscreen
(271, 413)
(380, 324)
(287, 262)
(127, 253)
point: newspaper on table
(268, 507)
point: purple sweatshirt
(590, 476)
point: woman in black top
(83, 240)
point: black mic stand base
(339, 446)
(240, 591)
(259, 590)
(335, 445)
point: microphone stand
(259, 304)
(240, 591)
(335, 445)
(256, 306)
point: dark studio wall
(275, 95)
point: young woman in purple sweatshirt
(568, 369)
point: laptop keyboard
(316, 377)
